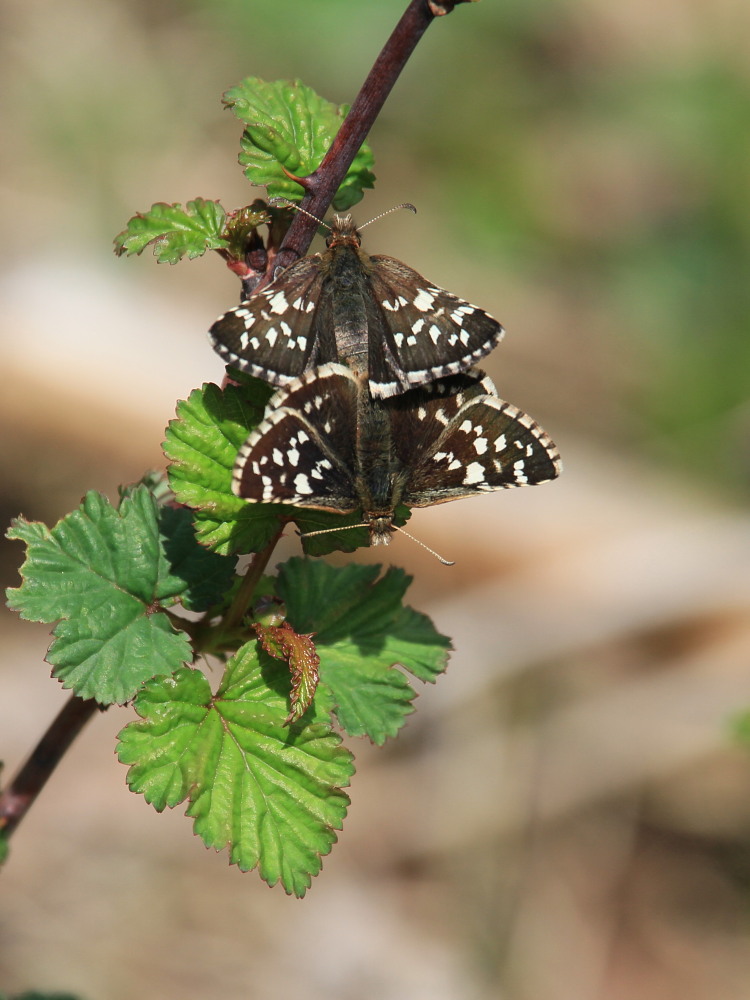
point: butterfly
(325, 443)
(372, 313)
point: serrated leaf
(280, 641)
(202, 444)
(242, 225)
(288, 125)
(174, 231)
(272, 795)
(155, 482)
(363, 634)
(206, 575)
(104, 573)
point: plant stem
(322, 184)
(20, 794)
(243, 598)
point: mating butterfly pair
(401, 420)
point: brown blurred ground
(566, 815)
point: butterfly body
(325, 443)
(370, 312)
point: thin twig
(20, 794)
(323, 183)
(242, 599)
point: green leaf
(174, 232)
(272, 795)
(363, 634)
(204, 576)
(207, 576)
(288, 125)
(241, 225)
(107, 573)
(280, 641)
(202, 445)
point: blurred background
(567, 814)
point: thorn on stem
(306, 183)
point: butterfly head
(343, 231)
(380, 527)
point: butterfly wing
(279, 333)
(465, 442)
(304, 451)
(419, 332)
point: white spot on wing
(278, 303)
(518, 470)
(474, 474)
(423, 300)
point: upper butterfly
(372, 313)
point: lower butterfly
(324, 443)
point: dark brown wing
(456, 439)
(304, 451)
(276, 334)
(419, 332)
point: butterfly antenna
(327, 531)
(445, 562)
(364, 524)
(290, 204)
(395, 208)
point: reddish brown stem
(20, 794)
(322, 185)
